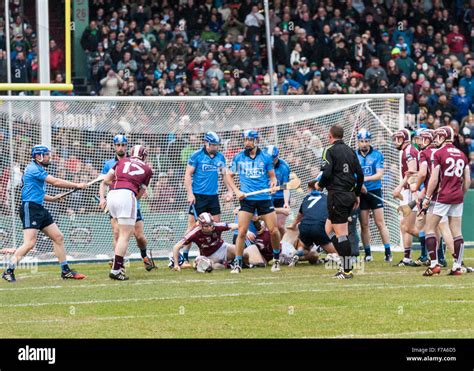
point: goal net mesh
(82, 130)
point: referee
(342, 176)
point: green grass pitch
(382, 301)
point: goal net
(80, 131)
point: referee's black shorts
(369, 202)
(340, 206)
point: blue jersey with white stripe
(34, 183)
(206, 171)
(314, 209)
(253, 173)
(282, 173)
(109, 164)
(370, 163)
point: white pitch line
(403, 334)
(211, 296)
(192, 281)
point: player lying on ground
(127, 182)
(120, 145)
(255, 171)
(201, 181)
(449, 181)
(207, 236)
(311, 223)
(289, 246)
(35, 217)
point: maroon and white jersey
(451, 162)
(264, 243)
(410, 153)
(208, 243)
(131, 173)
(426, 156)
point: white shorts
(445, 210)
(122, 205)
(407, 198)
(220, 255)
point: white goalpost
(172, 128)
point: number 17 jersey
(131, 173)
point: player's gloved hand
(228, 196)
(191, 199)
(273, 186)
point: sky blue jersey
(370, 163)
(34, 183)
(206, 171)
(253, 173)
(282, 173)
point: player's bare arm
(61, 183)
(188, 184)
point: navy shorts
(313, 234)
(35, 216)
(369, 202)
(262, 207)
(206, 204)
(278, 202)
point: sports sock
(276, 254)
(11, 266)
(118, 264)
(441, 249)
(387, 248)
(186, 255)
(459, 251)
(64, 266)
(431, 245)
(238, 261)
(345, 247)
(367, 250)
(407, 253)
(422, 238)
(143, 253)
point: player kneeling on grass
(207, 236)
(36, 218)
(450, 179)
(127, 182)
(311, 222)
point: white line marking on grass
(403, 334)
(212, 296)
(227, 281)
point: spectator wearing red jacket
(56, 57)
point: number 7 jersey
(451, 162)
(131, 173)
